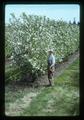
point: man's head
(50, 51)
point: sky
(66, 12)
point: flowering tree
(29, 38)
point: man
(51, 67)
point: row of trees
(74, 22)
(29, 38)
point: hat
(50, 50)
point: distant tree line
(74, 22)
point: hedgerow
(29, 37)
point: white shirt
(51, 59)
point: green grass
(60, 100)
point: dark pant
(50, 72)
